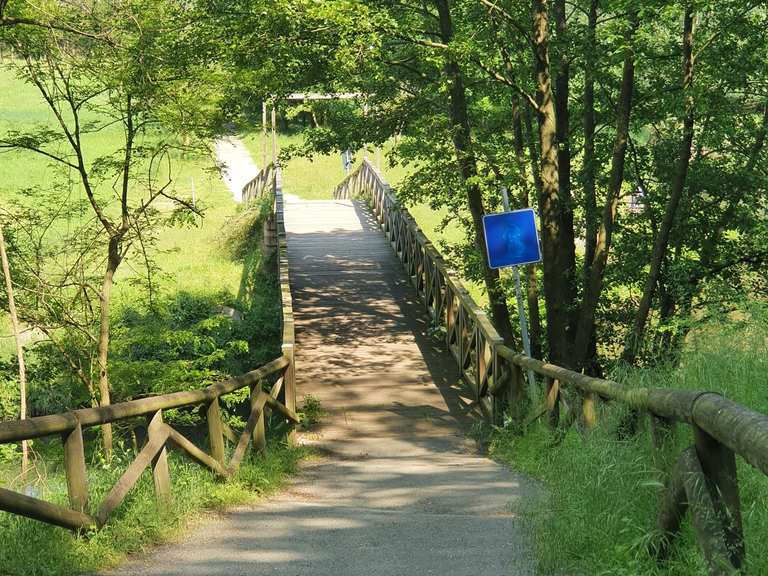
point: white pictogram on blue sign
(511, 238)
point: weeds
(311, 412)
(603, 493)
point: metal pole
(365, 115)
(521, 307)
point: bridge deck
(398, 489)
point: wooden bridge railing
(468, 333)
(703, 479)
(70, 425)
(261, 182)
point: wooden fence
(256, 187)
(703, 479)
(70, 425)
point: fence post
(160, 472)
(553, 402)
(260, 430)
(589, 410)
(216, 431)
(74, 467)
(503, 393)
(719, 466)
(517, 395)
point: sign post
(511, 240)
(346, 161)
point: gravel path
(236, 165)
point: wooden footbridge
(377, 327)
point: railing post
(260, 430)
(160, 473)
(501, 397)
(216, 431)
(553, 402)
(719, 466)
(517, 394)
(589, 410)
(74, 467)
(289, 384)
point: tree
(91, 86)
(460, 83)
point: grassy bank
(31, 548)
(603, 493)
(176, 340)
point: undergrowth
(602, 493)
(312, 412)
(32, 548)
(188, 335)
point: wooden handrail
(259, 185)
(704, 477)
(71, 424)
(740, 429)
(17, 430)
(284, 278)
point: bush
(183, 343)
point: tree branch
(504, 80)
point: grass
(603, 493)
(138, 524)
(309, 179)
(200, 260)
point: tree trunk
(588, 170)
(19, 351)
(602, 246)
(563, 123)
(633, 342)
(533, 152)
(462, 141)
(557, 251)
(532, 290)
(113, 261)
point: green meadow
(201, 266)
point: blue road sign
(511, 238)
